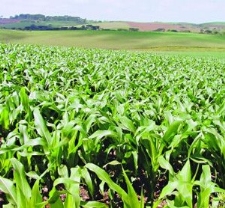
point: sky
(194, 11)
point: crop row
(97, 128)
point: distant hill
(29, 21)
(164, 26)
(41, 18)
(42, 22)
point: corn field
(100, 128)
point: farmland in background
(119, 40)
(25, 21)
(105, 128)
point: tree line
(41, 17)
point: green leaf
(22, 200)
(53, 195)
(114, 162)
(89, 121)
(105, 177)
(66, 181)
(127, 124)
(165, 164)
(25, 101)
(102, 133)
(185, 174)
(63, 171)
(20, 178)
(4, 118)
(169, 189)
(206, 175)
(70, 202)
(132, 199)
(72, 186)
(41, 127)
(87, 177)
(171, 131)
(8, 206)
(8, 188)
(93, 204)
(57, 204)
(36, 197)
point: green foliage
(129, 129)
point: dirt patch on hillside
(154, 26)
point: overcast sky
(196, 11)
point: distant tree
(208, 31)
(122, 29)
(215, 31)
(186, 31)
(40, 17)
(133, 29)
(64, 28)
(83, 27)
(172, 30)
(160, 30)
(73, 28)
(107, 29)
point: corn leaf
(41, 127)
(7, 187)
(20, 178)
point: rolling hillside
(25, 21)
(125, 40)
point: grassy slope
(118, 40)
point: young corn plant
(129, 198)
(158, 115)
(18, 191)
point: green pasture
(120, 40)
